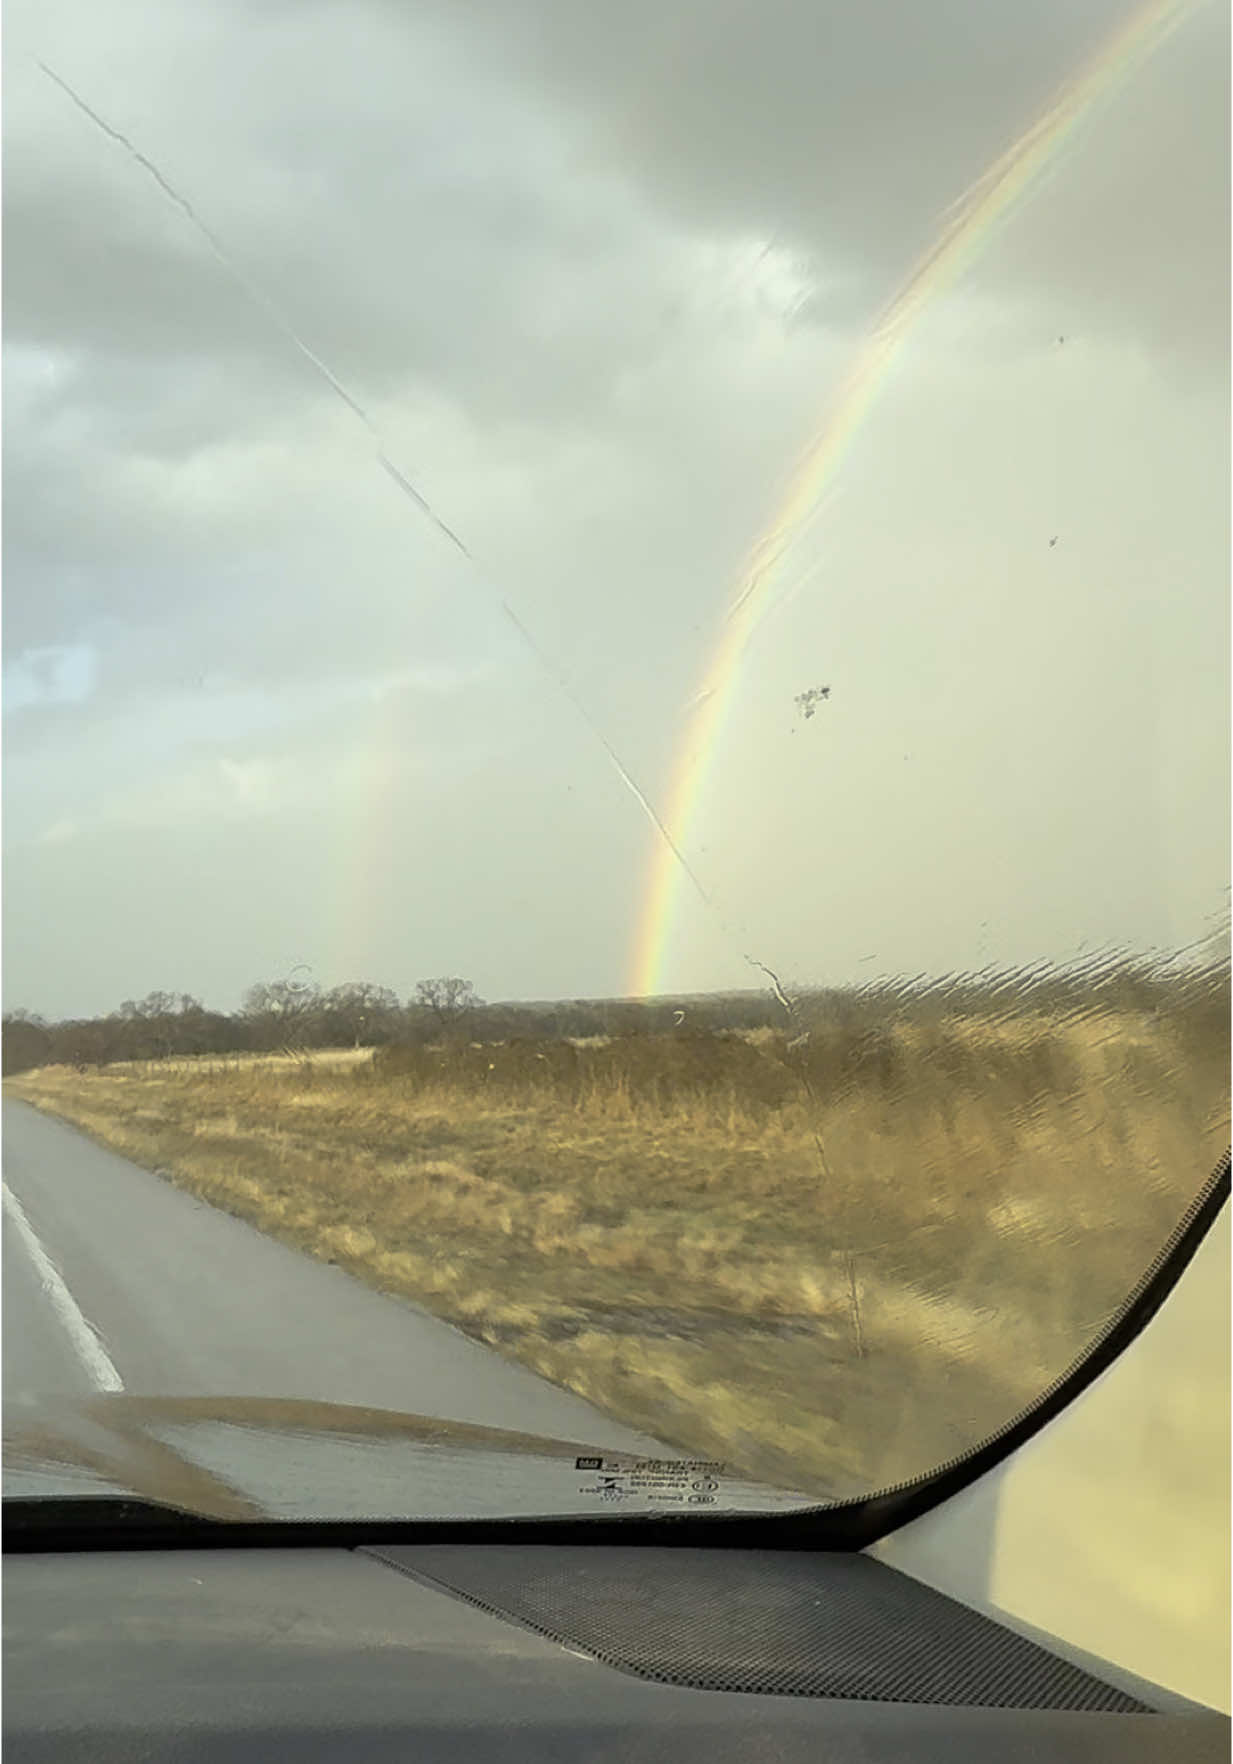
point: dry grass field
(834, 1267)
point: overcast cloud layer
(593, 273)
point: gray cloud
(851, 129)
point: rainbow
(969, 225)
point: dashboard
(543, 1651)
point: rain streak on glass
(616, 701)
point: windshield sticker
(693, 1482)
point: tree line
(293, 1015)
(297, 1015)
(274, 1015)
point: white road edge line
(85, 1339)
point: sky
(590, 277)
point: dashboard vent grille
(790, 1623)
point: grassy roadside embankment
(835, 1284)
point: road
(112, 1279)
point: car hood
(256, 1459)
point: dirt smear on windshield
(648, 1226)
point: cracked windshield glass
(616, 736)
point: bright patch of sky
(49, 676)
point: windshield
(616, 732)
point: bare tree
(359, 1011)
(449, 999)
(25, 1041)
(159, 1025)
(282, 1012)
